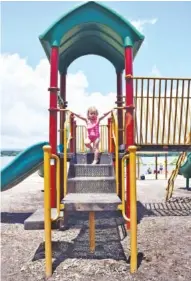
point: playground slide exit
(185, 169)
(22, 166)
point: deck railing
(162, 113)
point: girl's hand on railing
(105, 114)
(79, 116)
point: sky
(91, 80)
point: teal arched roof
(91, 29)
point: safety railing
(67, 138)
(103, 138)
(47, 205)
(133, 203)
(162, 110)
(67, 129)
(114, 136)
(81, 134)
(162, 113)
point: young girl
(92, 123)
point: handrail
(57, 186)
(156, 78)
(66, 142)
(49, 156)
(114, 128)
(123, 187)
(116, 141)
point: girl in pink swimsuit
(92, 123)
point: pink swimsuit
(93, 131)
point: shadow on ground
(110, 230)
(185, 188)
(12, 218)
(176, 206)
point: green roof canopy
(91, 29)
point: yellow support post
(133, 209)
(114, 126)
(65, 159)
(47, 211)
(122, 207)
(92, 231)
(117, 156)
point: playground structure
(159, 110)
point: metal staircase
(91, 187)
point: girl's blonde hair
(92, 109)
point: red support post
(53, 117)
(129, 121)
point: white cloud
(155, 71)
(25, 100)
(140, 23)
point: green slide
(22, 166)
(185, 169)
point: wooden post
(156, 167)
(166, 166)
(92, 231)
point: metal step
(87, 158)
(85, 170)
(91, 185)
(91, 202)
(36, 220)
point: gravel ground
(164, 238)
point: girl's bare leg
(96, 151)
(87, 143)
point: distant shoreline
(9, 152)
